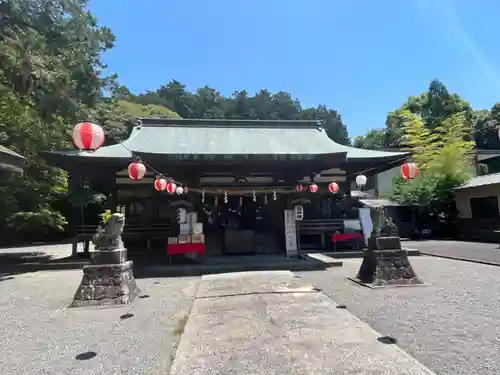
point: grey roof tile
(488, 179)
(10, 160)
(5, 150)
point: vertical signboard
(290, 234)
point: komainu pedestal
(106, 284)
(110, 280)
(388, 265)
(385, 263)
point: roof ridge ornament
(139, 123)
(320, 125)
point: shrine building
(238, 176)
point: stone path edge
(496, 264)
(193, 270)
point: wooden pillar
(111, 190)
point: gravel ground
(38, 335)
(485, 252)
(451, 326)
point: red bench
(185, 248)
(344, 237)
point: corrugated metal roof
(361, 194)
(379, 203)
(10, 160)
(5, 150)
(488, 179)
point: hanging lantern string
(161, 175)
(158, 174)
(398, 161)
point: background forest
(51, 77)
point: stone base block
(114, 256)
(387, 268)
(106, 284)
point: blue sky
(363, 58)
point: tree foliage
(444, 156)
(51, 77)
(433, 107)
(207, 102)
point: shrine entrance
(244, 224)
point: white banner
(290, 234)
(366, 222)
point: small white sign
(198, 228)
(181, 215)
(299, 212)
(184, 228)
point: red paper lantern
(299, 188)
(313, 188)
(333, 187)
(409, 171)
(136, 170)
(160, 184)
(88, 136)
(171, 188)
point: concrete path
(275, 323)
(486, 253)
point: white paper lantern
(361, 180)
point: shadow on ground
(159, 265)
(23, 262)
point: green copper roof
(231, 137)
(209, 137)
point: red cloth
(183, 248)
(346, 237)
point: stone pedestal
(106, 284)
(115, 256)
(386, 264)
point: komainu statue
(110, 279)
(109, 237)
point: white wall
(385, 179)
(463, 197)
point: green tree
(444, 157)
(433, 106)
(374, 139)
(50, 77)
(118, 116)
(50, 53)
(207, 102)
(486, 127)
